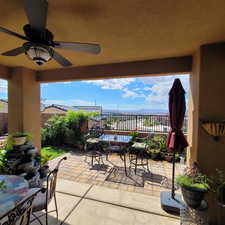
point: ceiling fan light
(39, 54)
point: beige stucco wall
(207, 103)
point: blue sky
(123, 94)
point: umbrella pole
(173, 175)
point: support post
(24, 103)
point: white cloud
(131, 94)
(159, 88)
(71, 102)
(112, 84)
(136, 89)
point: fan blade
(14, 52)
(36, 11)
(76, 46)
(61, 60)
(2, 29)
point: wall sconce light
(214, 128)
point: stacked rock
(24, 160)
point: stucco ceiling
(127, 30)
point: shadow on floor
(52, 220)
(99, 167)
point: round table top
(15, 189)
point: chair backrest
(21, 213)
(96, 132)
(51, 181)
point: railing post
(136, 122)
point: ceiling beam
(177, 65)
(4, 72)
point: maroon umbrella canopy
(176, 141)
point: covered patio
(138, 38)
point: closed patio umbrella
(176, 141)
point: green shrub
(55, 131)
(69, 126)
(74, 122)
(198, 181)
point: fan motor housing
(40, 36)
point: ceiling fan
(39, 40)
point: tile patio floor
(78, 168)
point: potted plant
(17, 139)
(44, 169)
(218, 186)
(193, 187)
(154, 153)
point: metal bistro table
(118, 139)
(16, 200)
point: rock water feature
(24, 160)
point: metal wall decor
(214, 128)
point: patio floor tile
(77, 169)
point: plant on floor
(194, 185)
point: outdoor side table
(190, 216)
(95, 155)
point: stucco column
(24, 103)
(207, 103)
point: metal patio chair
(43, 199)
(140, 158)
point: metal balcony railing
(131, 122)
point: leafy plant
(45, 158)
(55, 131)
(197, 181)
(134, 135)
(3, 161)
(75, 122)
(217, 180)
(153, 143)
(10, 139)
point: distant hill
(141, 111)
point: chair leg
(46, 217)
(135, 169)
(56, 207)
